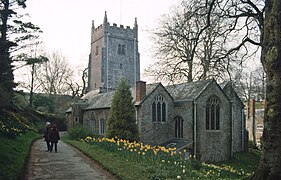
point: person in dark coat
(46, 135)
(54, 137)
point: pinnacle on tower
(136, 23)
(105, 18)
(93, 24)
(136, 29)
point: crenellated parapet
(114, 30)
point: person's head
(48, 124)
(54, 126)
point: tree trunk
(6, 72)
(32, 84)
(270, 163)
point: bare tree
(190, 44)
(27, 66)
(78, 87)
(250, 83)
(85, 81)
(53, 74)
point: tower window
(97, 50)
(121, 49)
(121, 65)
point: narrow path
(68, 163)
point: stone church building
(203, 117)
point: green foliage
(78, 132)
(13, 154)
(17, 122)
(39, 119)
(259, 105)
(252, 145)
(121, 121)
(38, 60)
(20, 99)
(43, 103)
(13, 123)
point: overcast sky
(66, 24)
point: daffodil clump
(13, 124)
(135, 150)
(166, 163)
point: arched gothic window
(102, 126)
(159, 109)
(93, 123)
(213, 114)
(178, 127)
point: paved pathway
(68, 163)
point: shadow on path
(67, 163)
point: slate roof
(184, 91)
(188, 91)
(224, 85)
(98, 100)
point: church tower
(114, 55)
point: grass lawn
(246, 161)
(126, 164)
(13, 154)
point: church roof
(227, 85)
(98, 100)
(222, 85)
(188, 91)
(179, 92)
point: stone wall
(96, 58)
(184, 109)
(213, 145)
(69, 121)
(122, 65)
(238, 123)
(92, 119)
(155, 133)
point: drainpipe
(194, 127)
(136, 109)
(242, 128)
(232, 129)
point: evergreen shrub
(78, 132)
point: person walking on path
(46, 135)
(54, 137)
(68, 164)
